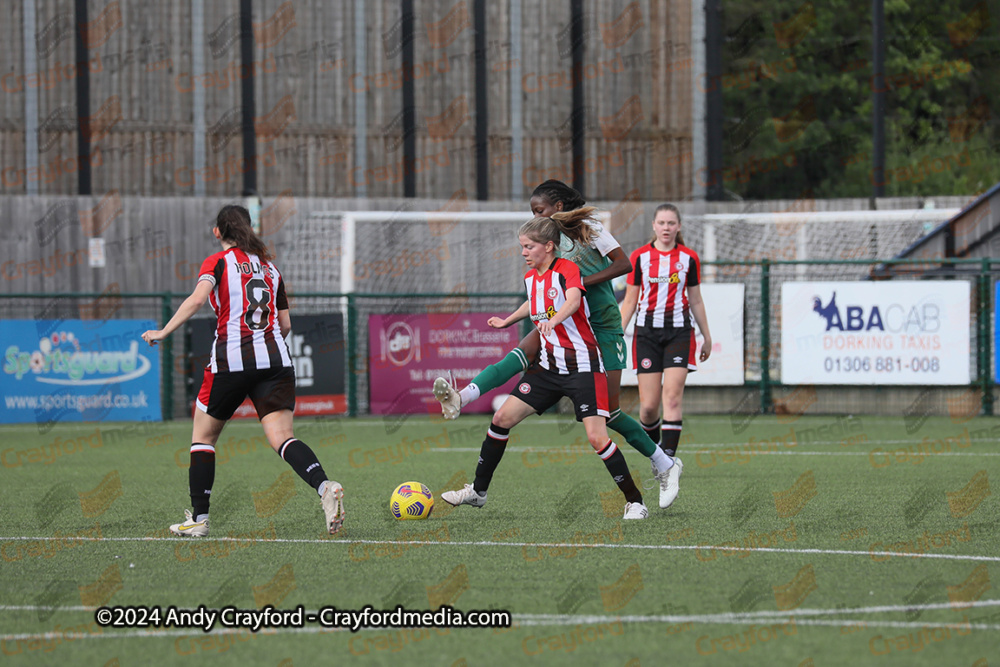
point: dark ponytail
(679, 239)
(554, 191)
(234, 226)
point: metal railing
(355, 307)
(978, 271)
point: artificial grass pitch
(779, 549)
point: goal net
(439, 252)
(389, 255)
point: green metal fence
(767, 276)
(761, 279)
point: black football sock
(652, 430)
(616, 465)
(201, 477)
(298, 455)
(670, 436)
(489, 457)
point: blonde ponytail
(574, 224)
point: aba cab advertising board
(724, 310)
(316, 346)
(899, 332)
(407, 352)
(78, 371)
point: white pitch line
(740, 617)
(670, 618)
(307, 426)
(526, 620)
(483, 421)
(436, 420)
(861, 623)
(153, 634)
(691, 451)
(766, 422)
(763, 442)
(44, 607)
(544, 545)
(757, 446)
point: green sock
(633, 432)
(496, 374)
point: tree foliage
(798, 88)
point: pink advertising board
(406, 353)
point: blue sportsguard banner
(78, 370)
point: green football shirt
(605, 317)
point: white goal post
(715, 236)
(456, 253)
(812, 245)
(438, 224)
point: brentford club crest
(524, 388)
(678, 266)
(552, 293)
(646, 363)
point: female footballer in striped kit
(249, 357)
(600, 258)
(665, 287)
(569, 363)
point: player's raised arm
(620, 265)
(185, 311)
(516, 316)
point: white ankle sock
(661, 460)
(469, 394)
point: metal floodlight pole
(247, 102)
(878, 98)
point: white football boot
(464, 496)
(670, 484)
(451, 403)
(333, 506)
(635, 511)
(190, 527)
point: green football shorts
(612, 350)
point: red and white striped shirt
(571, 347)
(246, 297)
(663, 278)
